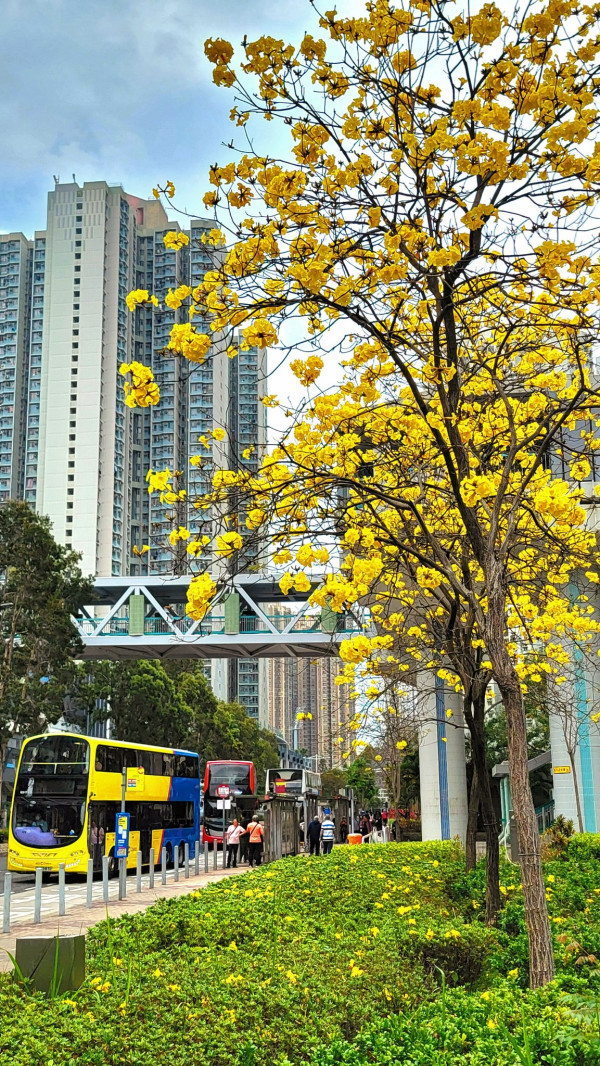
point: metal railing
(118, 626)
(98, 890)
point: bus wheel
(169, 856)
(46, 875)
(181, 853)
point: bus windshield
(51, 791)
(236, 775)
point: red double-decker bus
(239, 775)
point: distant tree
(361, 778)
(142, 702)
(221, 730)
(41, 587)
(332, 781)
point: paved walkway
(79, 918)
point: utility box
(137, 610)
(54, 964)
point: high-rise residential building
(16, 260)
(307, 687)
(68, 443)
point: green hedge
(289, 964)
(502, 1028)
(3, 836)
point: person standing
(365, 828)
(343, 831)
(327, 834)
(256, 836)
(244, 839)
(314, 835)
(233, 835)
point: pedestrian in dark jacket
(314, 836)
(245, 840)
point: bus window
(168, 764)
(186, 766)
(152, 762)
(55, 755)
(112, 760)
(48, 822)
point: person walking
(343, 831)
(245, 839)
(233, 836)
(314, 835)
(327, 834)
(256, 836)
(365, 828)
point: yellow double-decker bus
(68, 792)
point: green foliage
(41, 587)
(369, 957)
(361, 778)
(174, 705)
(555, 840)
(3, 836)
(332, 781)
(584, 847)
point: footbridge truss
(144, 618)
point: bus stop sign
(122, 835)
(223, 791)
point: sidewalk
(80, 918)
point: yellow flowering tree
(434, 225)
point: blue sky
(119, 90)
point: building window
(70, 464)
(69, 518)
(78, 255)
(78, 230)
(76, 293)
(71, 436)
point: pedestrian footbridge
(144, 618)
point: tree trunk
(475, 718)
(572, 755)
(541, 958)
(471, 837)
(493, 899)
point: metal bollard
(176, 863)
(163, 866)
(6, 906)
(197, 858)
(122, 878)
(62, 906)
(214, 855)
(206, 858)
(186, 860)
(138, 872)
(105, 878)
(90, 883)
(37, 902)
(151, 869)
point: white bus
(295, 783)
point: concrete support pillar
(576, 702)
(443, 775)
